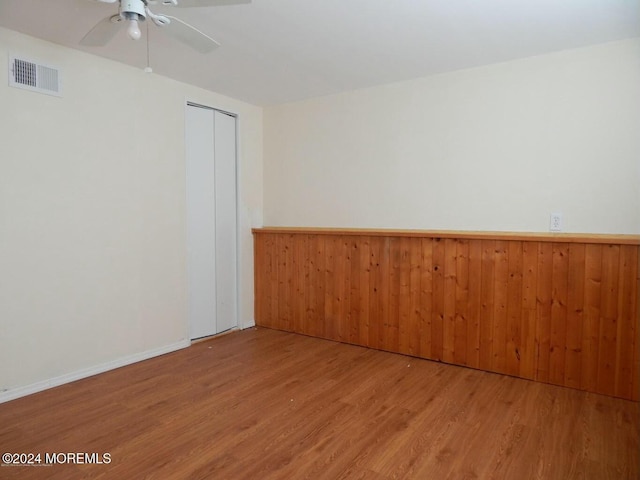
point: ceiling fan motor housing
(132, 10)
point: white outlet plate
(555, 222)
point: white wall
(492, 148)
(92, 216)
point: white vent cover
(34, 76)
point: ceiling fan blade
(189, 35)
(102, 33)
(209, 3)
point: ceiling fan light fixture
(133, 29)
(133, 11)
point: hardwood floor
(265, 404)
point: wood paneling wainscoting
(556, 308)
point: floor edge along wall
(555, 308)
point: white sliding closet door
(226, 255)
(211, 220)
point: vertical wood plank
(575, 316)
(608, 323)
(385, 266)
(415, 314)
(375, 295)
(259, 268)
(340, 290)
(404, 303)
(514, 309)
(307, 272)
(273, 290)
(272, 248)
(286, 279)
(449, 317)
(487, 288)
(529, 309)
(355, 314)
(300, 258)
(426, 297)
(627, 323)
(330, 304)
(474, 286)
(317, 269)
(460, 341)
(363, 299)
(437, 299)
(635, 314)
(559, 299)
(390, 339)
(379, 292)
(591, 328)
(346, 287)
(500, 298)
(543, 327)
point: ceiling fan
(132, 12)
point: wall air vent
(34, 76)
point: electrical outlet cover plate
(555, 222)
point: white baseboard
(18, 392)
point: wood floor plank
(268, 404)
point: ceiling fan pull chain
(148, 68)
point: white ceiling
(276, 51)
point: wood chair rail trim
(620, 239)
